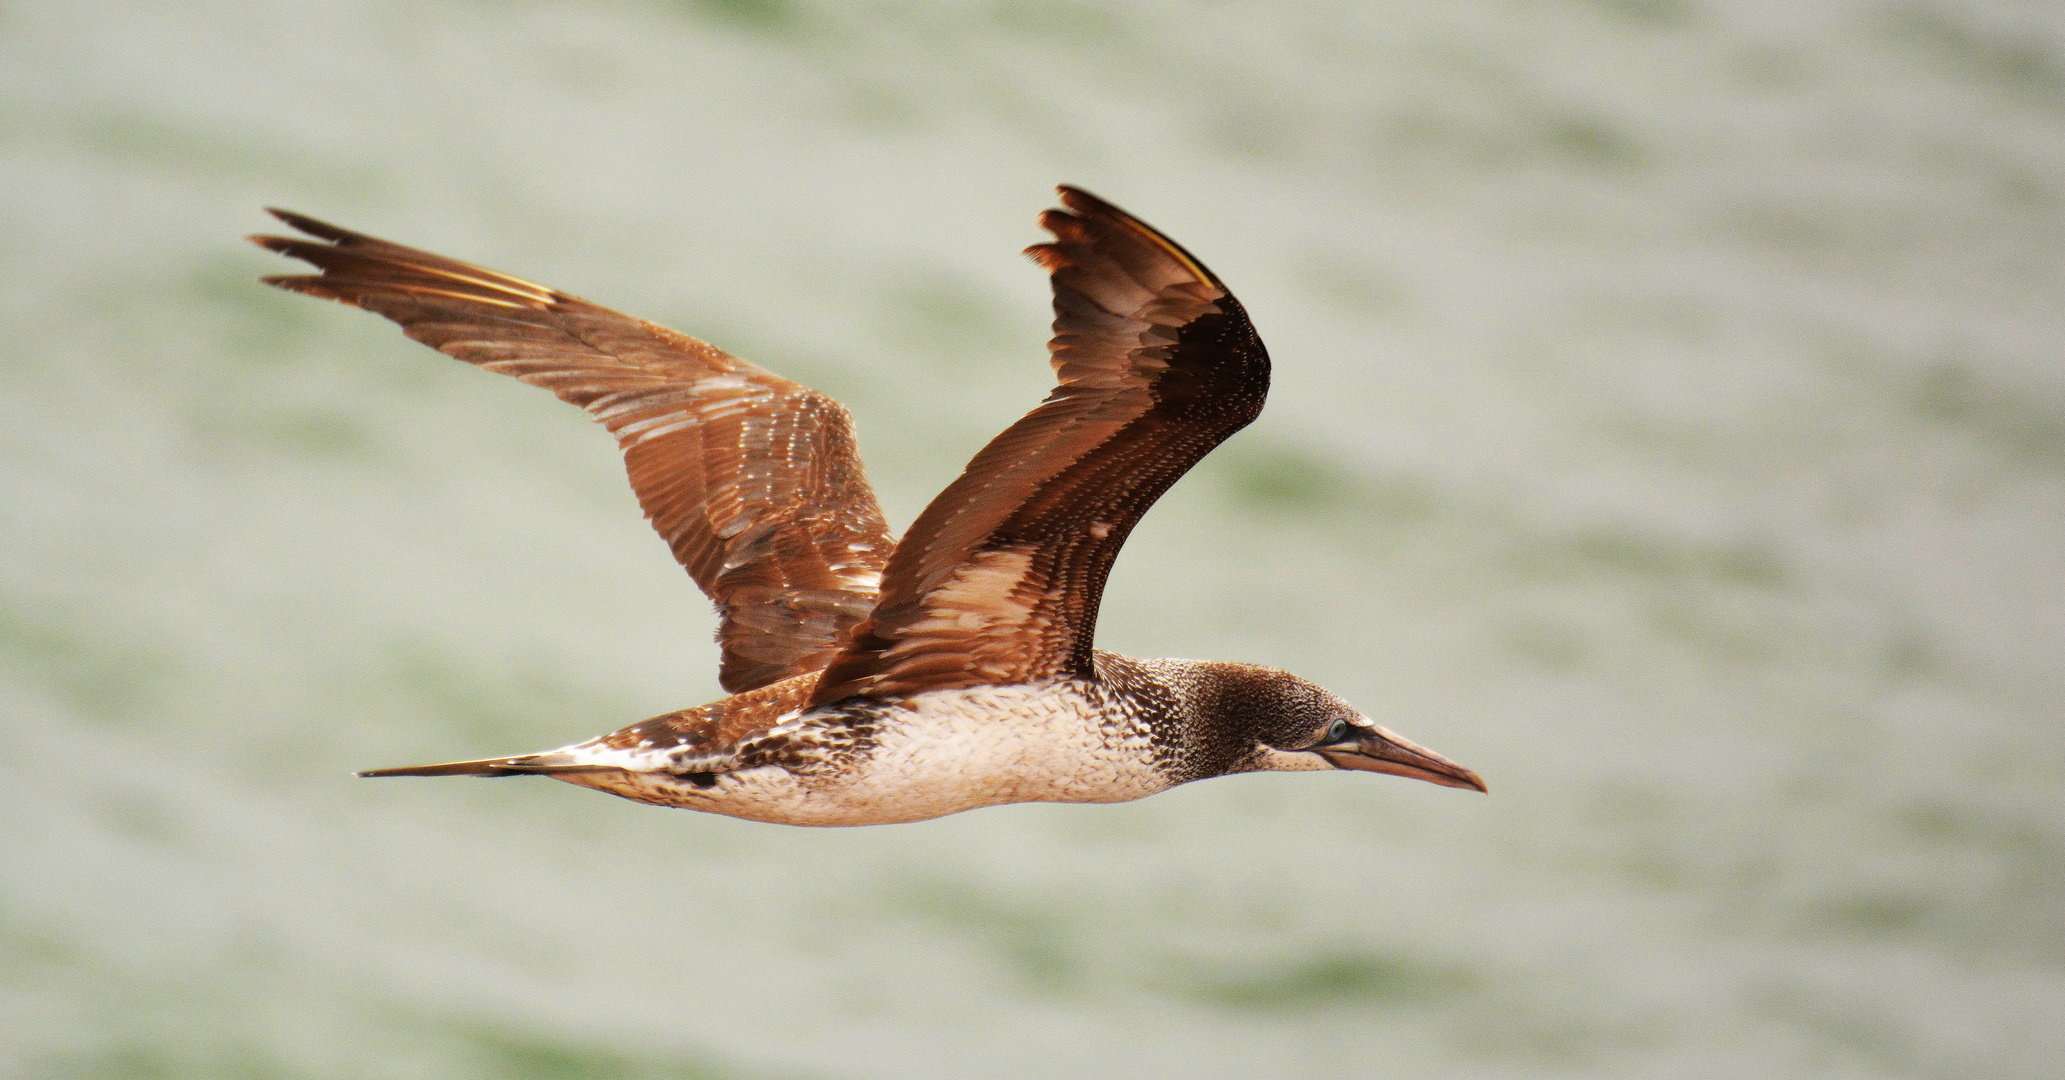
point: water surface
(1669, 423)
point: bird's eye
(1337, 732)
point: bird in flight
(875, 680)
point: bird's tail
(521, 765)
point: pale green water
(1669, 422)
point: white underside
(938, 753)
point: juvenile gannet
(874, 680)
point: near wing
(754, 481)
(998, 580)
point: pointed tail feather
(521, 765)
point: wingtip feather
(311, 226)
(1086, 207)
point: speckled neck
(1206, 717)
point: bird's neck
(1199, 712)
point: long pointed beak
(1381, 751)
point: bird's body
(934, 753)
(877, 681)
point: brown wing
(998, 580)
(753, 480)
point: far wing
(754, 481)
(998, 580)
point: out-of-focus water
(1669, 422)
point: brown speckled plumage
(875, 681)
(754, 481)
(1157, 364)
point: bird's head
(1282, 723)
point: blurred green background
(1669, 423)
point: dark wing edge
(998, 581)
(754, 481)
